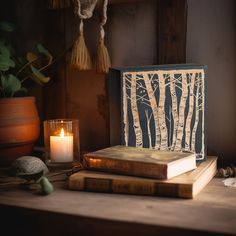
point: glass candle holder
(61, 140)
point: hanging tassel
(103, 61)
(58, 4)
(80, 57)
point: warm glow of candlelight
(62, 133)
(61, 146)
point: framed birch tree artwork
(159, 107)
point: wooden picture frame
(161, 107)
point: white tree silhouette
(125, 114)
(182, 106)
(174, 109)
(192, 78)
(154, 107)
(148, 118)
(196, 120)
(161, 110)
(134, 109)
(149, 88)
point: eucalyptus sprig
(15, 70)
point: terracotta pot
(19, 128)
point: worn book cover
(142, 162)
(159, 107)
(187, 185)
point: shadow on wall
(211, 40)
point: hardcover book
(187, 185)
(142, 162)
(159, 107)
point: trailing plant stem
(28, 76)
(24, 66)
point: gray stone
(28, 165)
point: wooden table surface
(212, 211)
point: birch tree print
(190, 112)
(174, 109)
(148, 128)
(125, 115)
(154, 107)
(182, 106)
(164, 109)
(196, 119)
(134, 109)
(161, 109)
(203, 151)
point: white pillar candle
(61, 147)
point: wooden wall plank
(86, 91)
(131, 36)
(172, 28)
(54, 92)
(212, 41)
(124, 1)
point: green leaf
(23, 90)
(46, 186)
(3, 81)
(7, 26)
(36, 80)
(45, 52)
(10, 85)
(20, 62)
(39, 75)
(4, 50)
(6, 63)
(31, 57)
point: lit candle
(61, 147)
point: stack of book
(131, 170)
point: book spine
(108, 185)
(125, 167)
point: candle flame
(62, 132)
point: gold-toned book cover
(141, 162)
(187, 185)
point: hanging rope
(80, 57)
(102, 62)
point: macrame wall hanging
(103, 61)
(80, 57)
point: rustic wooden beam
(55, 92)
(172, 27)
(124, 1)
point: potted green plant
(19, 121)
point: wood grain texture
(85, 92)
(142, 162)
(216, 21)
(124, 1)
(172, 26)
(54, 95)
(83, 95)
(212, 212)
(127, 24)
(187, 185)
